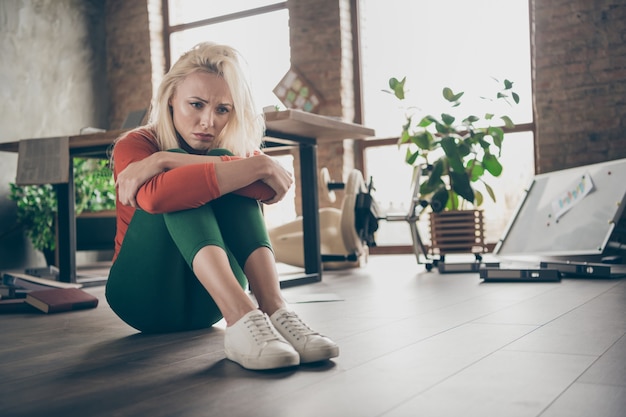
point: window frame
(168, 29)
(362, 146)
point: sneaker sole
(320, 355)
(264, 363)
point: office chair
(342, 244)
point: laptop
(134, 119)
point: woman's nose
(207, 119)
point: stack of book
(20, 293)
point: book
(12, 291)
(19, 288)
(56, 300)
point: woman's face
(201, 107)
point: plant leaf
(508, 122)
(411, 156)
(452, 152)
(479, 198)
(453, 201)
(423, 140)
(404, 138)
(490, 192)
(451, 96)
(434, 178)
(464, 149)
(427, 121)
(439, 200)
(491, 164)
(497, 134)
(447, 119)
(459, 181)
(477, 170)
(471, 119)
(397, 87)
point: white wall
(52, 83)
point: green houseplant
(457, 151)
(455, 154)
(37, 204)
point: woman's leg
(260, 269)
(151, 285)
(244, 232)
(197, 234)
(155, 296)
(213, 270)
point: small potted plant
(37, 204)
(454, 153)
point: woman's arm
(168, 181)
(139, 171)
(238, 174)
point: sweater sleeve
(258, 190)
(171, 191)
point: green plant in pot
(37, 204)
(457, 151)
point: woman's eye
(196, 105)
(223, 110)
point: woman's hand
(134, 176)
(276, 177)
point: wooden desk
(308, 130)
(289, 127)
(93, 145)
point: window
(259, 30)
(449, 43)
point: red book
(61, 299)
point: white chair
(340, 244)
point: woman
(190, 232)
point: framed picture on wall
(296, 92)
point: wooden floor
(413, 343)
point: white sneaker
(253, 343)
(311, 346)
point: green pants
(152, 286)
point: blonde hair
(243, 133)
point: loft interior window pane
(448, 43)
(186, 11)
(266, 53)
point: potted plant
(455, 154)
(37, 204)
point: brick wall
(129, 58)
(321, 49)
(580, 82)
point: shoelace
(261, 329)
(294, 325)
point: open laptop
(134, 119)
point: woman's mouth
(203, 136)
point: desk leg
(310, 214)
(66, 222)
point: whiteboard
(568, 212)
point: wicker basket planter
(459, 231)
